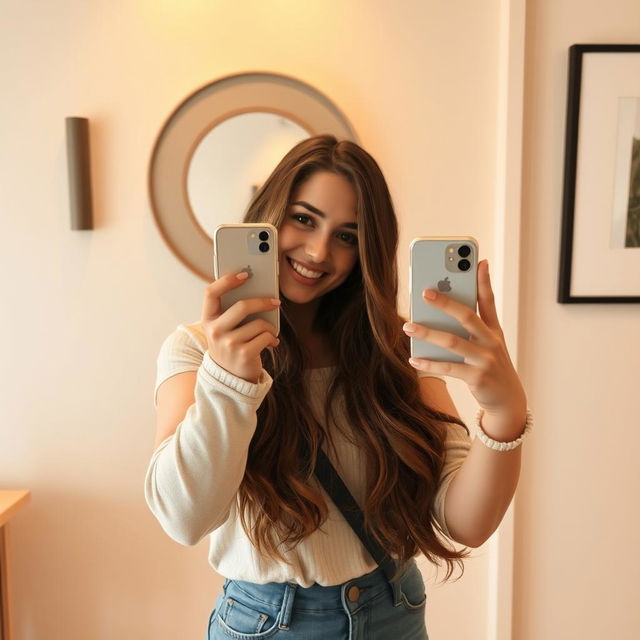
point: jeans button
(353, 594)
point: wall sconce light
(78, 161)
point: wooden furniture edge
(11, 504)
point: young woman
(242, 414)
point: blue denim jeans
(365, 608)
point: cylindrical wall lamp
(78, 160)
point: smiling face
(318, 240)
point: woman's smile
(304, 273)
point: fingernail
(408, 327)
(275, 301)
(243, 275)
(413, 362)
(430, 294)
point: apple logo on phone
(444, 285)
(247, 270)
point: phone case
(236, 247)
(435, 263)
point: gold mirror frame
(194, 118)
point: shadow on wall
(107, 562)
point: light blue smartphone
(448, 265)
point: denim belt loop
(396, 592)
(287, 605)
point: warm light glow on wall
(187, 17)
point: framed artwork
(600, 245)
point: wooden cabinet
(11, 501)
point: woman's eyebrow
(310, 207)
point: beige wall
(577, 510)
(84, 313)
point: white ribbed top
(194, 475)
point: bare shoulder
(434, 393)
(174, 396)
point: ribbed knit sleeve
(194, 474)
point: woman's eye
(348, 238)
(301, 218)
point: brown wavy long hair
(401, 439)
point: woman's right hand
(237, 349)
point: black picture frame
(571, 167)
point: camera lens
(464, 265)
(263, 246)
(263, 235)
(464, 251)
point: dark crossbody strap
(342, 498)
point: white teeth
(305, 272)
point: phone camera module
(263, 235)
(464, 251)
(464, 265)
(263, 246)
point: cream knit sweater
(194, 474)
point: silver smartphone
(448, 265)
(250, 247)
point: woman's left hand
(487, 368)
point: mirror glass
(233, 160)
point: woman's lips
(303, 279)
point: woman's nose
(317, 249)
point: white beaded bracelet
(502, 446)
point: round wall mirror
(233, 160)
(217, 148)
